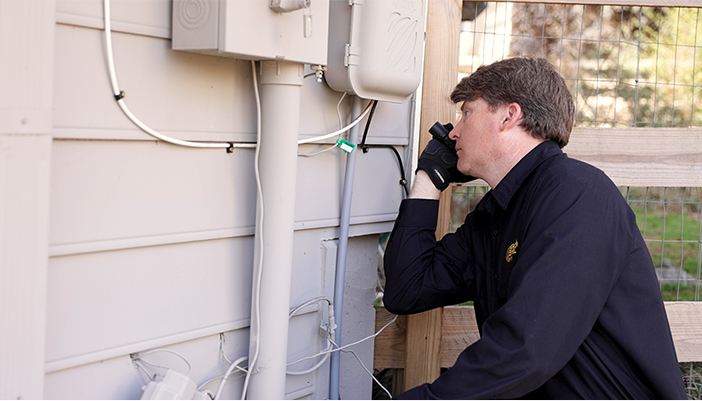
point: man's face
(474, 134)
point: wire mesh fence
(626, 66)
(669, 219)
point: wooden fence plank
(460, 330)
(656, 157)
(422, 362)
(439, 78)
(643, 3)
(390, 345)
(685, 320)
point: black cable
(364, 147)
(365, 131)
(403, 180)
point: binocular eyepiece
(441, 133)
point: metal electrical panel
(376, 47)
(253, 29)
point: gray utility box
(251, 29)
(376, 47)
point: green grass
(682, 229)
(673, 292)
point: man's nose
(455, 133)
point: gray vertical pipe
(341, 251)
(281, 84)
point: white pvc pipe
(281, 84)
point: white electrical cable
(338, 104)
(292, 373)
(259, 271)
(234, 365)
(370, 336)
(202, 386)
(313, 368)
(318, 152)
(342, 130)
(138, 366)
(140, 357)
(338, 115)
(310, 302)
(119, 96)
(222, 340)
(363, 365)
(329, 343)
(347, 345)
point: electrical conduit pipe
(281, 84)
(341, 253)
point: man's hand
(439, 162)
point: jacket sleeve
(574, 248)
(421, 273)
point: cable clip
(345, 145)
(120, 96)
(230, 149)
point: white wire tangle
(119, 96)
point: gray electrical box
(376, 47)
(253, 29)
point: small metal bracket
(350, 55)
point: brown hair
(534, 84)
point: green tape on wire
(345, 145)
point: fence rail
(642, 3)
(459, 330)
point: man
(566, 296)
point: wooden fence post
(422, 363)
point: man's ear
(512, 113)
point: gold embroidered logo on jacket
(511, 251)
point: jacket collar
(502, 194)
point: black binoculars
(441, 133)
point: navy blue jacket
(566, 296)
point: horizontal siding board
(167, 90)
(109, 195)
(118, 378)
(136, 297)
(152, 17)
(120, 190)
(107, 300)
(184, 95)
